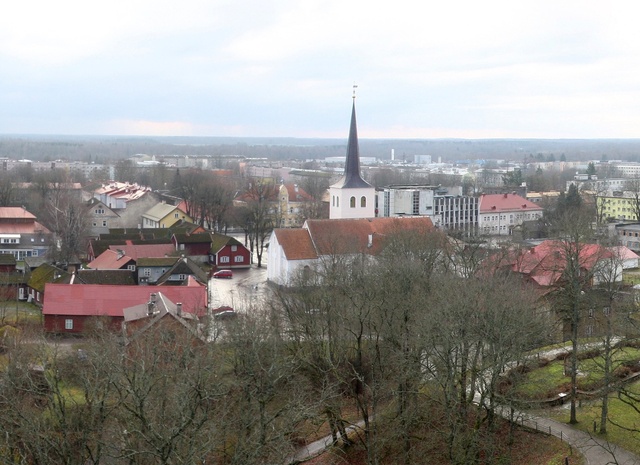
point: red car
(223, 274)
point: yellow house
(618, 207)
(164, 216)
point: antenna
(354, 90)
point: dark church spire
(351, 177)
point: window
(239, 259)
(99, 211)
(94, 225)
(68, 323)
(234, 248)
(337, 201)
(131, 267)
(363, 201)
(606, 311)
(34, 253)
(224, 259)
(104, 223)
(146, 272)
(352, 202)
(182, 277)
(175, 215)
(181, 247)
(591, 312)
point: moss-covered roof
(218, 241)
(7, 259)
(201, 238)
(162, 261)
(44, 274)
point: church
(352, 227)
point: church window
(352, 202)
(363, 201)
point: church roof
(351, 178)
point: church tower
(352, 196)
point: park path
(595, 450)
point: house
(129, 201)
(292, 199)
(158, 316)
(544, 264)
(38, 278)
(228, 252)
(627, 257)
(150, 269)
(7, 263)
(183, 273)
(73, 309)
(499, 214)
(113, 260)
(293, 250)
(101, 217)
(195, 246)
(124, 277)
(163, 215)
(21, 235)
(144, 250)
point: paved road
(246, 288)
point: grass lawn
(619, 413)
(547, 381)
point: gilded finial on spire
(354, 90)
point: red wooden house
(73, 309)
(194, 246)
(228, 252)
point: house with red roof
(71, 308)
(544, 264)
(499, 214)
(21, 235)
(292, 251)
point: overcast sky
(469, 69)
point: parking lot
(247, 288)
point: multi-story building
(446, 207)
(501, 213)
(21, 235)
(619, 205)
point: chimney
(370, 241)
(151, 306)
(505, 195)
(120, 253)
(179, 309)
(152, 297)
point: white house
(500, 213)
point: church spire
(352, 177)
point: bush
(622, 372)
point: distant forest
(104, 149)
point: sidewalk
(595, 450)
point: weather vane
(354, 90)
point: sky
(287, 68)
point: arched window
(337, 201)
(333, 200)
(352, 202)
(363, 201)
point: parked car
(223, 274)
(224, 313)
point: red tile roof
(109, 260)
(545, 263)
(296, 244)
(506, 202)
(96, 300)
(345, 236)
(15, 212)
(136, 251)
